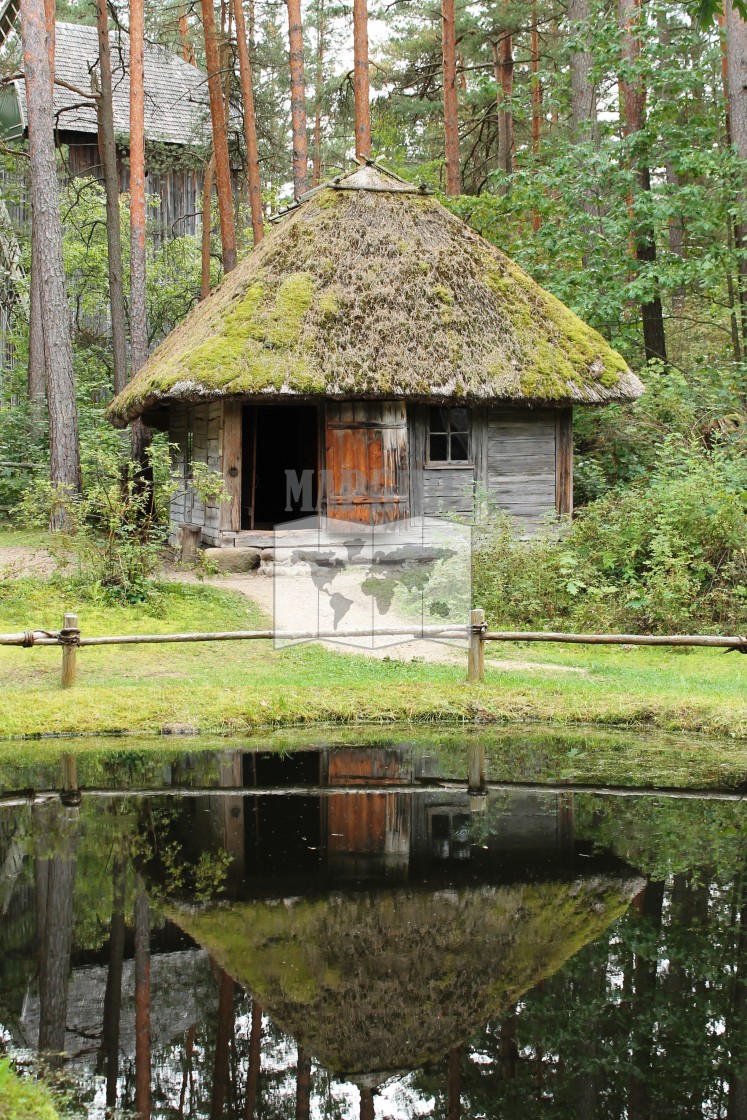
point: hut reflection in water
(367, 925)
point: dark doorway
(280, 445)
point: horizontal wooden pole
(453, 785)
(715, 641)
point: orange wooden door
(367, 475)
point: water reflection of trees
(648, 1020)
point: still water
(367, 932)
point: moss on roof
(372, 289)
(392, 978)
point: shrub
(663, 555)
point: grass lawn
(232, 687)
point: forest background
(602, 145)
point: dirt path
(260, 588)
(23, 560)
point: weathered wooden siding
(205, 424)
(521, 458)
(521, 461)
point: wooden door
(367, 461)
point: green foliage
(23, 1099)
(665, 554)
(112, 546)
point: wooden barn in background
(373, 360)
(176, 121)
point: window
(448, 435)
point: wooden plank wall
(206, 423)
(521, 466)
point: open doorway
(280, 443)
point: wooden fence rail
(70, 639)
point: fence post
(476, 657)
(70, 632)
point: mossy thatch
(372, 289)
(390, 979)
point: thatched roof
(387, 980)
(372, 289)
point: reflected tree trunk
(226, 988)
(303, 1084)
(644, 988)
(367, 1109)
(736, 1027)
(454, 1084)
(142, 1002)
(509, 1047)
(255, 1057)
(55, 885)
(113, 995)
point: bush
(113, 540)
(663, 555)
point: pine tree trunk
(188, 50)
(45, 206)
(316, 173)
(142, 1002)
(583, 87)
(451, 101)
(361, 80)
(139, 434)
(220, 138)
(253, 178)
(736, 81)
(633, 114)
(138, 310)
(503, 65)
(536, 99)
(207, 219)
(36, 373)
(298, 99)
(108, 156)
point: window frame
(429, 431)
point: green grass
(234, 687)
(22, 1098)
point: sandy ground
(24, 561)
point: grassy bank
(23, 1099)
(236, 687)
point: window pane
(459, 446)
(438, 420)
(439, 449)
(459, 420)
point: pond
(333, 930)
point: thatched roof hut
(383, 981)
(379, 311)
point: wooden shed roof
(176, 105)
(370, 288)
